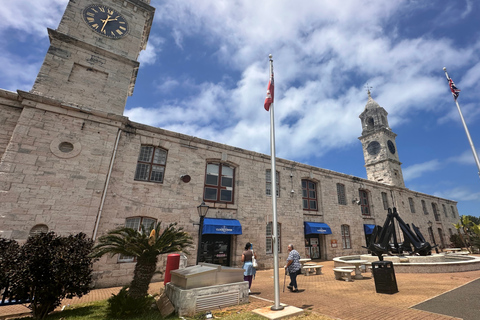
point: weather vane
(368, 88)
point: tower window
(370, 123)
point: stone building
(71, 162)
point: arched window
(412, 205)
(424, 206)
(435, 212)
(346, 244)
(370, 123)
(342, 198)
(268, 179)
(364, 204)
(37, 229)
(269, 235)
(309, 195)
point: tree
(145, 248)
(51, 268)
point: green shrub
(456, 241)
(50, 268)
(123, 305)
(9, 252)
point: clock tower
(379, 147)
(92, 60)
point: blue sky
(205, 73)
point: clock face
(105, 21)
(373, 148)
(391, 146)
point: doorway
(312, 247)
(215, 248)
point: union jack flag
(453, 88)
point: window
(309, 195)
(38, 229)
(385, 200)
(412, 205)
(219, 183)
(435, 212)
(424, 206)
(453, 211)
(365, 206)
(269, 243)
(268, 178)
(342, 199)
(346, 236)
(136, 223)
(445, 210)
(450, 232)
(151, 164)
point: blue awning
(317, 228)
(221, 226)
(368, 228)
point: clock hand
(105, 22)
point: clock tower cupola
(379, 147)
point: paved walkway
(324, 295)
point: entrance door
(312, 247)
(215, 249)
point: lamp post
(430, 229)
(202, 212)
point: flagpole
(465, 126)
(276, 280)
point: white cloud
(465, 158)
(149, 55)
(460, 194)
(32, 17)
(417, 170)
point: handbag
(254, 262)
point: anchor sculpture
(414, 243)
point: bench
(311, 268)
(343, 272)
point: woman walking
(293, 266)
(247, 258)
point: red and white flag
(269, 98)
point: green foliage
(124, 305)
(145, 247)
(456, 241)
(50, 268)
(9, 252)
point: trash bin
(173, 262)
(384, 276)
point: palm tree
(145, 248)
